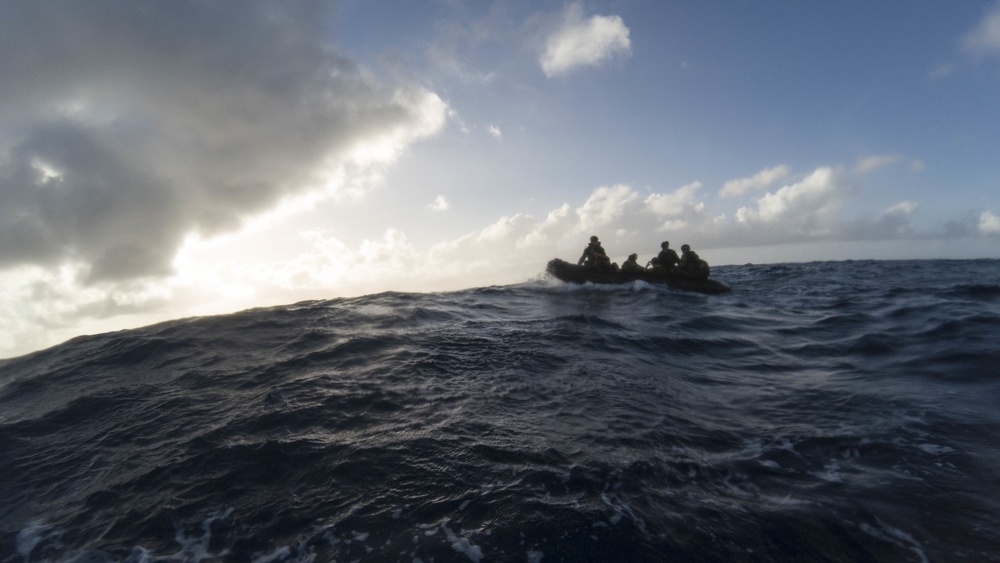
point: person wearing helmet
(691, 265)
(667, 258)
(594, 255)
(632, 265)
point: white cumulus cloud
(806, 206)
(581, 41)
(605, 205)
(678, 210)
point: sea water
(841, 411)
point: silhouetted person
(594, 256)
(691, 265)
(667, 258)
(631, 265)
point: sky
(162, 159)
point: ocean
(829, 411)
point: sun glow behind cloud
(427, 114)
(235, 271)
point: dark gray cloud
(124, 126)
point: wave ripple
(819, 412)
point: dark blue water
(820, 412)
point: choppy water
(820, 412)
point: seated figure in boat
(631, 265)
(667, 258)
(691, 265)
(594, 256)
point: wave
(810, 415)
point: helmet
(633, 256)
(593, 238)
(685, 247)
(665, 244)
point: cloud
(448, 59)
(984, 39)
(495, 131)
(989, 224)
(903, 208)
(329, 262)
(893, 223)
(149, 121)
(872, 163)
(580, 41)
(440, 204)
(628, 221)
(758, 181)
(618, 214)
(605, 205)
(678, 210)
(558, 225)
(42, 306)
(942, 70)
(806, 207)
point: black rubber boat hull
(571, 273)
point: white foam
(463, 545)
(831, 473)
(196, 548)
(935, 449)
(33, 534)
(303, 553)
(279, 553)
(622, 509)
(535, 556)
(896, 536)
